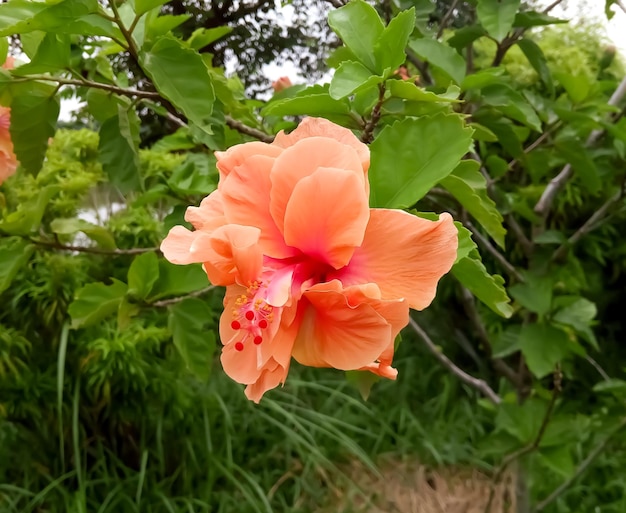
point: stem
(178, 299)
(132, 47)
(368, 133)
(95, 251)
(446, 19)
(89, 83)
(466, 378)
(499, 257)
(533, 445)
(581, 469)
(247, 130)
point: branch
(336, 3)
(178, 299)
(446, 19)
(95, 251)
(466, 378)
(530, 447)
(498, 364)
(132, 47)
(500, 258)
(90, 83)
(551, 6)
(544, 204)
(368, 132)
(248, 130)
(581, 469)
(589, 225)
(421, 66)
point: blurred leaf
(465, 35)
(472, 274)
(34, 113)
(482, 133)
(579, 314)
(14, 253)
(175, 280)
(53, 54)
(143, 6)
(312, 101)
(497, 16)
(559, 459)
(73, 225)
(466, 244)
(543, 346)
(612, 386)
(118, 149)
(27, 218)
(535, 293)
(576, 86)
(95, 302)
(161, 25)
(527, 19)
(469, 187)
(179, 140)
(511, 103)
(143, 274)
(400, 179)
(363, 381)
(194, 176)
(350, 78)
(202, 37)
(441, 56)
(389, 48)
(180, 75)
(410, 91)
(359, 27)
(195, 344)
(575, 153)
(537, 60)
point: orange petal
(230, 253)
(176, 247)
(246, 197)
(344, 328)
(302, 160)
(320, 127)
(209, 215)
(327, 215)
(237, 155)
(270, 377)
(404, 254)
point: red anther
(257, 340)
(262, 324)
(239, 346)
(235, 325)
(249, 315)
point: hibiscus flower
(311, 272)
(8, 160)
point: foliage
(111, 399)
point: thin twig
(178, 299)
(581, 469)
(551, 6)
(531, 446)
(499, 257)
(247, 130)
(132, 47)
(87, 249)
(544, 204)
(498, 364)
(588, 225)
(368, 132)
(446, 19)
(466, 378)
(90, 83)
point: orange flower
(310, 271)
(8, 160)
(281, 83)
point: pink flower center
(251, 316)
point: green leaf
(202, 37)
(196, 175)
(472, 274)
(577, 87)
(142, 275)
(497, 16)
(175, 280)
(398, 179)
(97, 233)
(440, 56)
(579, 314)
(53, 54)
(161, 25)
(180, 75)
(194, 342)
(558, 459)
(543, 346)
(95, 302)
(511, 103)
(118, 149)
(537, 60)
(143, 6)
(389, 49)
(410, 91)
(16, 16)
(27, 218)
(34, 113)
(575, 153)
(469, 187)
(535, 294)
(465, 35)
(359, 27)
(363, 381)
(312, 101)
(482, 133)
(14, 254)
(350, 78)
(527, 19)
(613, 386)
(466, 244)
